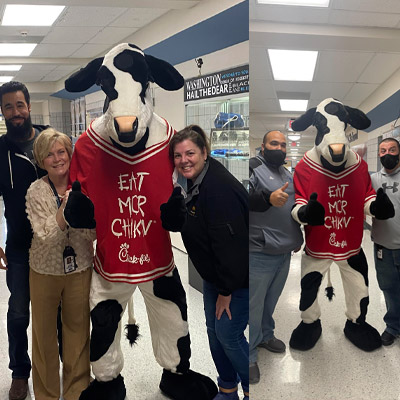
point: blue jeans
(228, 345)
(388, 276)
(267, 277)
(17, 277)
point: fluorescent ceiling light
(16, 49)
(293, 105)
(306, 3)
(5, 67)
(30, 15)
(4, 79)
(293, 65)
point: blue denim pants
(228, 344)
(267, 277)
(388, 276)
(17, 277)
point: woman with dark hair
(211, 212)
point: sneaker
(19, 389)
(254, 373)
(387, 338)
(275, 345)
(227, 396)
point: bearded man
(17, 172)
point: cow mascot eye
(122, 162)
(332, 192)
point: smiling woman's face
(189, 159)
(57, 161)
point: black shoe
(387, 338)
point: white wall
(170, 105)
(178, 20)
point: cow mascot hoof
(111, 390)
(305, 336)
(363, 336)
(190, 385)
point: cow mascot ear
(357, 119)
(164, 74)
(304, 121)
(85, 77)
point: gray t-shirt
(387, 232)
(27, 147)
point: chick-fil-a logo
(125, 257)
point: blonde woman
(60, 271)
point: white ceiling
(359, 49)
(83, 31)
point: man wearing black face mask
(273, 235)
(386, 237)
(17, 172)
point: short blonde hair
(44, 142)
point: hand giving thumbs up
(279, 197)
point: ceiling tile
(138, 17)
(355, 18)
(380, 68)
(89, 16)
(91, 51)
(367, 5)
(260, 66)
(358, 93)
(71, 34)
(335, 66)
(111, 35)
(55, 50)
(323, 90)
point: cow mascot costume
(123, 166)
(333, 191)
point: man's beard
(19, 133)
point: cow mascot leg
(124, 167)
(166, 307)
(306, 335)
(354, 274)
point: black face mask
(274, 157)
(390, 161)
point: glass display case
(231, 148)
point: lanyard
(53, 188)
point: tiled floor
(141, 372)
(334, 369)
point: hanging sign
(224, 83)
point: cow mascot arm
(382, 207)
(79, 210)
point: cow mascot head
(333, 192)
(123, 165)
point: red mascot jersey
(343, 196)
(127, 192)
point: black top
(216, 231)
(17, 173)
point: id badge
(379, 253)
(69, 260)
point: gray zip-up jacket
(272, 230)
(387, 232)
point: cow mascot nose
(122, 162)
(333, 191)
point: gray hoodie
(387, 232)
(272, 229)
